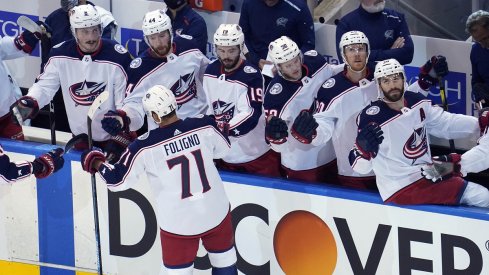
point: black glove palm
(368, 140)
(276, 130)
(304, 127)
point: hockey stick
(444, 104)
(29, 24)
(75, 140)
(91, 112)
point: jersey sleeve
(305, 28)
(415, 88)
(357, 162)
(450, 126)
(249, 108)
(133, 97)
(47, 83)
(220, 142)
(13, 171)
(476, 160)
(8, 50)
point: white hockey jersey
(236, 98)
(82, 77)
(9, 90)
(338, 103)
(286, 99)
(476, 160)
(178, 162)
(11, 172)
(406, 139)
(182, 72)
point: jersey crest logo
(136, 63)
(223, 111)
(185, 89)
(416, 145)
(249, 70)
(329, 83)
(372, 110)
(311, 53)
(282, 21)
(120, 49)
(84, 93)
(276, 89)
(389, 34)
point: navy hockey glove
(428, 75)
(117, 145)
(480, 91)
(48, 163)
(304, 127)
(89, 160)
(276, 130)
(443, 167)
(368, 140)
(26, 107)
(114, 122)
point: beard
(229, 64)
(391, 97)
(375, 7)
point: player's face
(480, 34)
(229, 56)
(356, 56)
(270, 3)
(160, 42)
(88, 38)
(292, 69)
(373, 6)
(392, 86)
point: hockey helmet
(84, 16)
(282, 50)
(229, 35)
(159, 100)
(388, 67)
(353, 37)
(155, 22)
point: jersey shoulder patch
(276, 89)
(120, 49)
(135, 63)
(373, 110)
(186, 36)
(311, 53)
(329, 83)
(249, 70)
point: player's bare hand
(399, 43)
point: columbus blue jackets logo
(223, 111)
(282, 21)
(416, 145)
(185, 89)
(84, 93)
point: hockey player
(11, 48)
(42, 167)
(234, 89)
(83, 67)
(393, 140)
(291, 91)
(177, 158)
(341, 98)
(174, 63)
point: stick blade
(97, 103)
(28, 24)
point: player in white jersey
(177, 158)
(83, 67)
(42, 167)
(173, 63)
(393, 140)
(234, 89)
(291, 91)
(341, 98)
(11, 48)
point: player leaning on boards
(42, 167)
(341, 98)
(177, 158)
(393, 140)
(175, 63)
(234, 89)
(83, 67)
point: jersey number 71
(185, 163)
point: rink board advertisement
(281, 227)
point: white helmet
(353, 37)
(388, 67)
(229, 35)
(84, 16)
(282, 50)
(155, 22)
(159, 100)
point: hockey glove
(48, 163)
(480, 91)
(117, 145)
(89, 160)
(443, 167)
(276, 130)
(26, 107)
(483, 120)
(114, 122)
(304, 127)
(223, 127)
(428, 75)
(368, 140)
